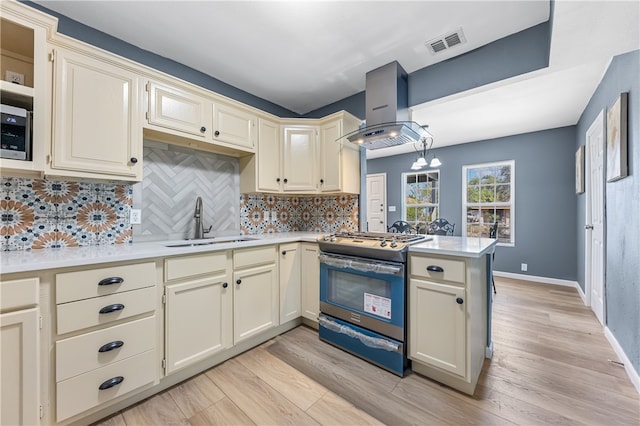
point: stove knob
(394, 244)
(383, 243)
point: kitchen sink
(195, 243)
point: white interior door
(377, 202)
(594, 229)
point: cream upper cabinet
(339, 161)
(289, 268)
(310, 280)
(19, 349)
(198, 305)
(299, 159)
(179, 110)
(234, 127)
(23, 50)
(96, 127)
(268, 153)
(255, 292)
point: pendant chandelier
(422, 159)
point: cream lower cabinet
(198, 304)
(255, 292)
(447, 318)
(19, 350)
(96, 126)
(105, 337)
(289, 271)
(310, 280)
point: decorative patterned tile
(43, 213)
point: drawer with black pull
(80, 354)
(437, 268)
(103, 310)
(72, 286)
(88, 390)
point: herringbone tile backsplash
(173, 178)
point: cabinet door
(96, 127)
(234, 126)
(437, 325)
(289, 268)
(268, 156)
(19, 367)
(330, 156)
(300, 155)
(255, 301)
(179, 110)
(310, 281)
(198, 320)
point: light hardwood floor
(551, 365)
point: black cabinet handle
(217, 133)
(278, 180)
(112, 308)
(133, 160)
(238, 281)
(284, 252)
(285, 180)
(203, 129)
(321, 180)
(111, 280)
(111, 382)
(111, 346)
(434, 268)
(225, 285)
(459, 301)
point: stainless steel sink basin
(208, 243)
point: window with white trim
(420, 198)
(488, 197)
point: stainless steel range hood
(387, 111)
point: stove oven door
(365, 292)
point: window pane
(473, 176)
(411, 214)
(487, 193)
(473, 215)
(504, 174)
(473, 194)
(488, 216)
(473, 230)
(503, 193)
(488, 175)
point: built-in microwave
(16, 132)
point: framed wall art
(580, 170)
(617, 139)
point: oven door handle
(360, 265)
(370, 341)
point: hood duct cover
(387, 111)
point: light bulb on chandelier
(422, 160)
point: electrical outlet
(135, 217)
(14, 77)
(523, 267)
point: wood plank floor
(551, 365)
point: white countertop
(455, 246)
(37, 260)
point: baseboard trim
(631, 372)
(543, 280)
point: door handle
(588, 227)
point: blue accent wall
(622, 269)
(545, 235)
(104, 41)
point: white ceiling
(303, 55)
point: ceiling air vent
(446, 41)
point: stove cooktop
(376, 245)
